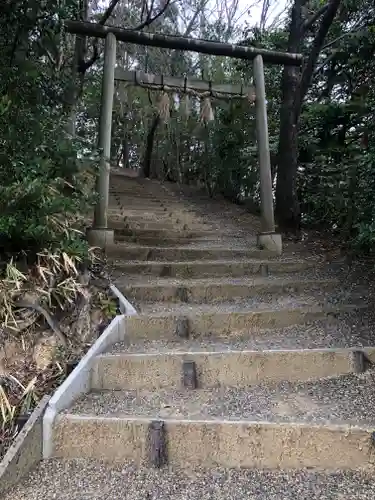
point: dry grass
(41, 331)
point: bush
(43, 187)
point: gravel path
(86, 480)
(347, 399)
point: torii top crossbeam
(183, 43)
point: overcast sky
(255, 7)
(277, 7)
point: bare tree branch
(46, 52)
(149, 18)
(264, 14)
(344, 35)
(107, 14)
(316, 48)
(83, 65)
(327, 60)
(309, 22)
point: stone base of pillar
(100, 237)
(270, 241)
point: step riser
(134, 205)
(147, 203)
(165, 254)
(156, 223)
(157, 226)
(166, 242)
(210, 444)
(147, 212)
(131, 216)
(228, 325)
(201, 270)
(120, 231)
(217, 292)
(134, 191)
(154, 242)
(142, 197)
(230, 369)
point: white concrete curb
(78, 382)
(26, 450)
(125, 306)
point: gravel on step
(315, 335)
(307, 276)
(94, 480)
(262, 301)
(348, 399)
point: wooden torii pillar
(100, 234)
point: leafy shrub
(44, 190)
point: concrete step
(156, 222)
(148, 205)
(250, 319)
(140, 252)
(139, 203)
(227, 368)
(346, 330)
(148, 217)
(130, 190)
(208, 290)
(155, 241)
(143, 197)
(157, 225)
(163, 233)
(327, 424)
(68, 479)
(137, 211)
(200, 269)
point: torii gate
(100, 235)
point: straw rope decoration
(207, 114)
(122, 94)
(190, 92)
(251, 95)
(187, 106)
(164, 107)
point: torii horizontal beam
(183, 43)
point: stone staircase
(244, 376)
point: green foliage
(42, 186)
(337, 180)
(232, 156)
(108, 306)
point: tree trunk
(125, 153)
(294, 89)
(288, 213)
(150, 146)
(287, 205)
